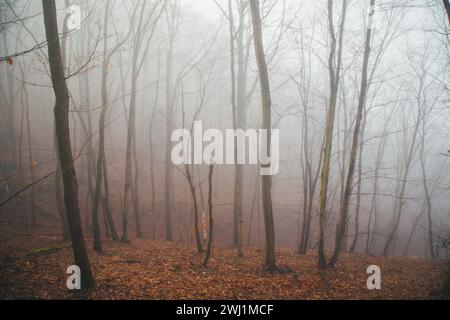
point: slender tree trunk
(128, 162)
(168, 168)
(152, 160)
(429, 207)
(252, 211)
(101, 143)
(102, 169)
(236, 206)
(270, 259)
(152, 181)
(210, 214)
(30, 158)
(329, 129)
(358, 194)
(340, 231)
(85, 120)
(106, 204)
(135, 191)
(63, 140)
(239, 109)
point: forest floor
(33, 266)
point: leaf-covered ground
(33, 266)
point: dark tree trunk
(64, 146)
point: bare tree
(419, 95)
(334, 74)
(340, 231)
(64, 145)
(172, 20)
(101, 171)
(140, 27)
(266, 185)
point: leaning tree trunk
(64, 146)
(269, 263)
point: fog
(171, 62)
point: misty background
(184, 62)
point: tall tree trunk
(59, 193)
(63, 140)
(84, 117)
(329, 129)
(102, 170)
(152, 160)
(340, 231)
(101, 142)
(128, 160)
(168, 168)
(239, 102)
(266, 188)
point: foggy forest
(345, 102)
